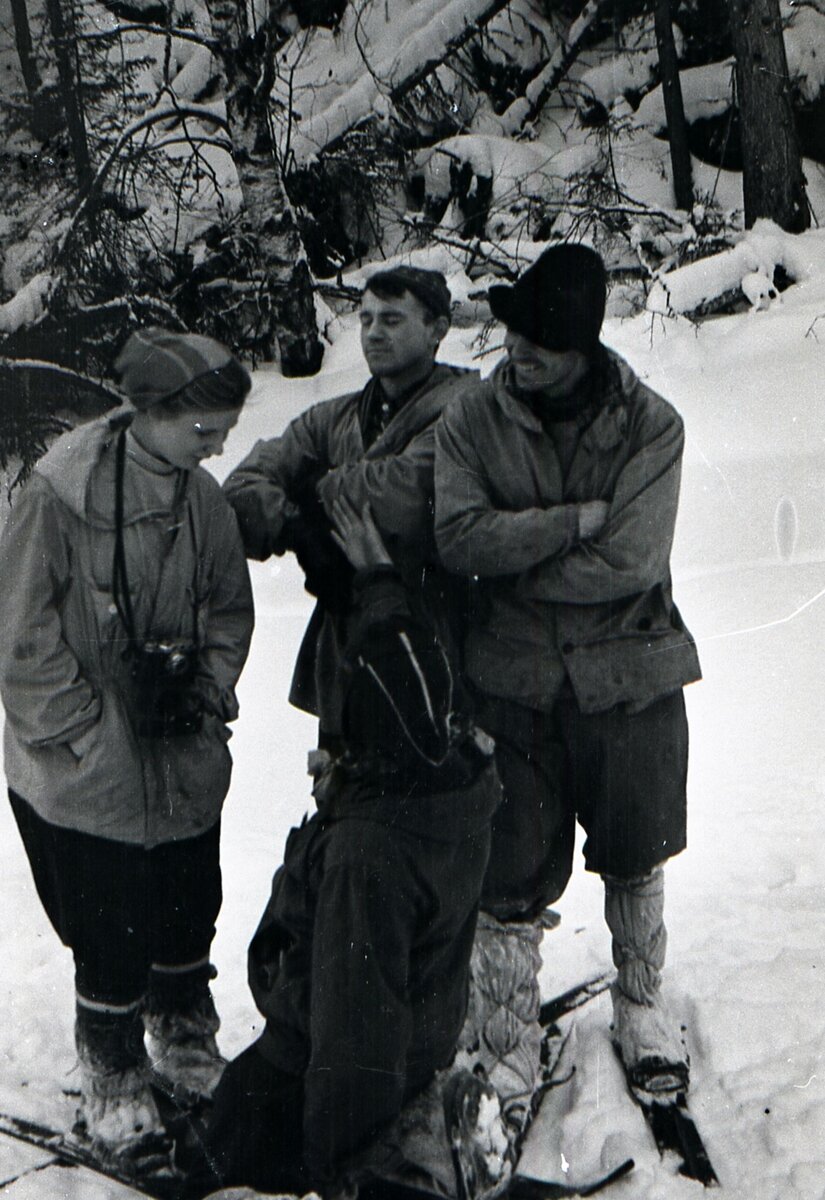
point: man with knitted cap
(557, 483)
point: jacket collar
(609, 426)
(80, 467)
(421, 409)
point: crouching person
(126, 613)
(360, 962)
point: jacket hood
(69, 463)
(81, 469)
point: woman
(126, 615)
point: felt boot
(181, 1022)
(118, 1113)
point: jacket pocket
(200, 766)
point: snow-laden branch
(28, 304)
(423, 39)
(539, 88)
(435, 55)
(57, 375)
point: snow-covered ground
(745, 903)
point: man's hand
(357, 535)
(592, 517)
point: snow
(804, 30)
(633, 68)
(28, 304)
(745, 902)
(706, 92)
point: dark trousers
(622, 775)
(360, 965)
(254, 1133)
(121, 908)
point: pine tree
(247, 60)
(674, 108)
(773, 180)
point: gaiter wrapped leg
(647, 1037)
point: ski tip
(525, 1187)
(619, 1172)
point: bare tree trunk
(40, 126)
(773, 181)
(677, 130)
(247, 62)
(46, 118)
(62, 34)
(25, 50)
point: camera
(163, 672)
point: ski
(165, 1184)
(71, 1152)
(557, 1007)
(668, 1117)
(519, 1187)
(522, 1187)
(674, 1131)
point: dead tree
(772, 179)
(677, 130)
(247, 61)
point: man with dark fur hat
(557, 484)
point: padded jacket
(598, 613)
(394, 476)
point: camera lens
(177, 662)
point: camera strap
(120, 578)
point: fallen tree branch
(183, 34)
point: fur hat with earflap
(558, 303)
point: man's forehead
(405, 303)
